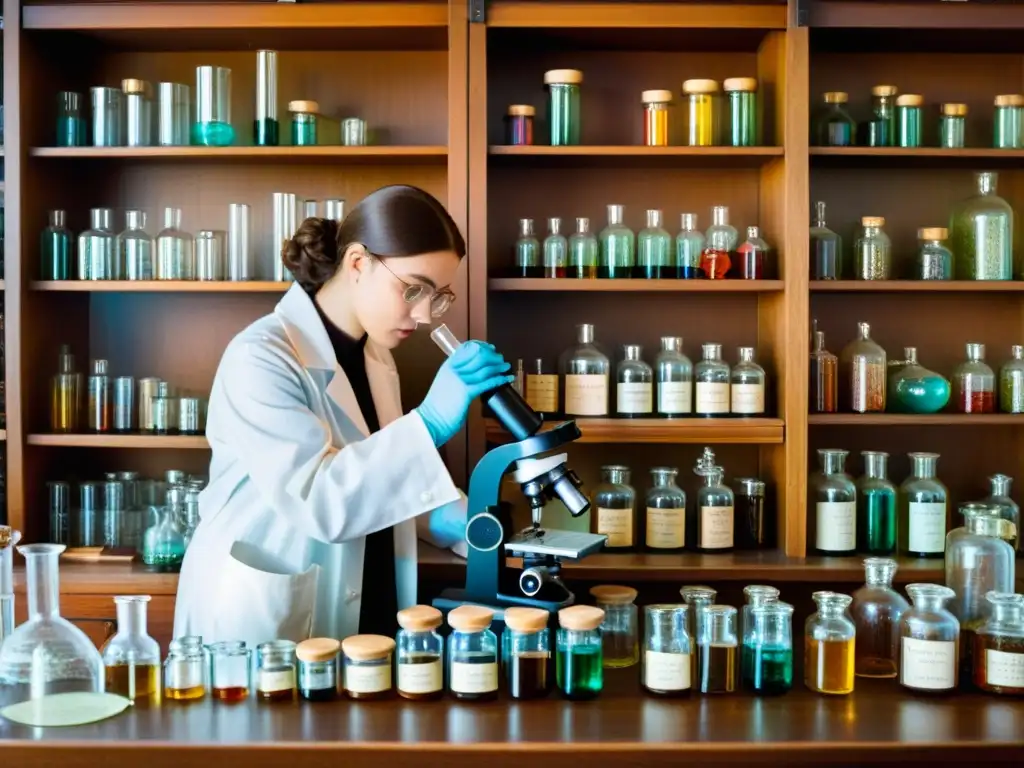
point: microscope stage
(570, 545)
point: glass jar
(862, 373)
(472, 654)
(747, 385)
(1011, 382)
(55, 248)
(934, 259)
(185, 670)
(275, 671)
(981, 234)
(654, 249)
(718, 642)
(922, 509)
(752, 256)
(585, 376)
(689, 248)
(138, 112)
(230, 670)
(107, 117)
(614, 512)
(135, 247)
(618, 247)
(368, 660)
(634, 384)
(833, 126)
(952, 126)
(578, 665)
(675, 378)
(999, 497)
(666, 664)
(929, 639)
(912, 388)
(974, 383)
(304, 120)
(999, 646)
(742, 126)
(719, 245)
(978, 561)
(619, 626)
(752, 530)
(910, 131)
(656, 107)
(131, 657)
(767, 658)
(699, 598)
(71, 125)
(824, 372)
(175, 249)
(712, 375)
(876, 612)
(826, 248)
(564, 116)
(556, 250)
(420, 652)
(829, 645)
(97, 251)
(212, 125)
(584, 251)
(318, 668)
(1008, 124)
(353, 132)
(666, 512)
(834, 496)
(527, 251)
(542, 390)
(519, 124)
(702, 111)
(872, 251)
(526, 653)
(883, 107)
(756, 595)
(876, 507)
(715, 508)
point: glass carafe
(689, 248)
(826, 248)
(929, 639)
(1011, 382)
(135, 247)
(876, 507)
(862, 372)
(585, 372)
(833, 126)
(618, 246)
(654, 249)
(912, 388)
(981, 234)
(97, 254)
(584, 251)
(999, 646)
(132, 657)
(674, 373)
(556, 250)
(720, 244)
(829, 645)
(999, 497)
(715, 524)
(634, 384)
(834, 504)
(876, 612)
(163, 545)
(824, 372)
(975, 383)
(614, 509)
(747, 385)
(922, 509)
(666, 512)
(9, 539)
(711, 375)
(175, 249)
(55, 248)
(872, 251)
(527, 251)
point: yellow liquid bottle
(829, 646)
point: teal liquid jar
(742, 128)
(55, 248)
(766, 659)
(564, 106)
(265, 127)
(654, 249)
(212, 127)
(1008, 122)
(304, 119)
(934, 258)
(579, 670)
(913, 388)
(876, 507)
(883, 106)
(71, 130)
(163, 545)
(910, 120)
(953, 126)
(618, 247)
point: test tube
(285, 205)
(173, 103)
(266, 128)
(445, 339)
(209, 254)
(60, 511)
(239, 249)
(124, 403)
(334, 209)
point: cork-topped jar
(420, 650)
(367, 666)
(472, 654)
(318, 668)
(526, 652)
(578, 665)
(619, 632)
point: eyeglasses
(440, 300)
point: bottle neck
(1004, 613)
(923, 467)
(43, 584)
(663, 479)
(720, 216)
(880, 575)
(131, 616)
(930, 603)
(1000, 485)
(819, 215)
(614, 216)
(986, 184)
(833, 463)
(984, 525)
(830, 609)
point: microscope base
(453, 598)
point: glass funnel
(981, 234)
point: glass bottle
(175, 253)
(999, 646)
(883, 106)
(47, 654)
(929, 639)
(876, 507)
(584, 251)
(689, 248)
(666, 660)
(541, 390)
(1011, 382)
(527, 251)
(96, 251)
(756, 595)
(135, 247)
(655, 110)
(718, 642)
(304, 122)
(71, 123)
(751, 523)
(833, 126)
(720, 245)
(619, 625)
(585, 376)
(654, 249)
(526, 653)
(472, 654)
(934, 259)
(826, 248)
(564, 116)
(556, 250)
(752, 256)
(953, 126)
(715, 524)
(712, 376)
(163, 545)
(702, 112)
(977, 560)
(212, 126)
(747, 384)
(185, 670)
(368, 662)
(834, 496)
(876, 612)
(1008, 125)
(66, 394)
(55, 248)
(829, 645)
(276, 671)
(910, 128)
(824, 384)
(675, 378)
(579, 670)
(912, 388)
(872, 251)
(767, 658)
(132, 657)
(634, 387)
(921, 529)
(666, 512)
(420, 654)
(618, 247)
(981, 234)
(999, 497)
(699, 598)
(975, 383)
(614, 513)
(862, 373)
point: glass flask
(752, 529)
(974, 383)
(368, 661)
(96, 251)
(872, 251)
(712, 376)
(720, 245)
(585, 373)
(9, 539)
(318, 661)
(527, 251)
(829, 645)
(999, 646)
(584, 251)
(766, 661)
(952, 126)
(747, 385)
(579, 670)
(666, 512)
(699, 598)
(876, 612)
(276, 671)
(912, 388)
(556, 250)
(876, 507)
(618, 247)
(212, 126)
(185, 670)
(689, 248)
(619, 633)
(883, 107)
(999, 497)
(1011, 382)
(163, 545)
(922, 509)
(66, 394)
(654, 249)
(702, 112)
(472, 654)
(614, 510)
(718, 644)
(655, 110)
(715, 523)
(564, 106)
(824, 373)
(833, 126)
(46, 654)
(674, 373)
(666, 663)
(634, 384)
(230, 670)
(55, 248)
(934, 258)
(981, 234)
(1008, 125)
(175, 250)
(862, 373)
(910, 127)
(420, 654)
(71, 124)
(526, 653)
(834, 496)
(135, 247)
(132, 657)
(752, 256)
(756, 595)
(826, 248)
(929, 639)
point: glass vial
(718, 646)
(666, 512)
(981, 233)
(579, 670)
(675, 378)
(929, 641)
(634, 387)
(999, 646)
(747, 385)
(173, 101)
(656, 107)
(59, 495)
(353, 132)
(834, 496)
(585, 373)
(999, 497)
(55, 248)
(138, 112)
(527, 251)
(212, 126)
(833, 126)
(712, 376)
(752, 256)
(71, 126)
(132, 657)
(766, 661)
(97, 252)
(974, 383)
(666, 663)
(318, 668)
(824, 372)
(876, 507)
(100, 409)
(699, 598)
(1011, 382)
(618, 247)
(952, 126)
(584, 251)
(526, 653)
(519, 119)
(701, 97)
(752, 529)
(876, 612)
(742, 128)
(65, 394)
(230, 671)
(720, 243)
(826, 248)
(619, 633)
(863, 372)
(556, 250)
(934, 259)
(420, 654)
(276, 673)
(923, 499)
(266, 128)
(872, 251)
(614, 513)
(175, 249)
(304, 122)
(368, 662)
(541, 389)
(185, 670)
(135, 247)
(829, 645)
(564, 116)
(1008, 125)
(654, 249)
(107, 117)
(689, 248)
(909, 118)
(883, 106)
(472, 654)
(715, 523)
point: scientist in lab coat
(319, 484)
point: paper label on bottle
(182, 674)
(665, 528)
(367, 678)
(586, 394)
(928, 664)
(634, 397)
(712, 398)
(748, 398)
(926, 527)
(666, 671)
(420, 678)
(1006, 669)
(269, 681)
(542, 392)
(837, 526)
(617, 525)
(474, 678)
(318, 675)
(675, 397)
(716, 526)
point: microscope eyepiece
(567, 488)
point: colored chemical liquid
(231, 693)
(766, 670)
(416, 662)
(751, 531)
(750, 262)
(998, 664)
(580, 272)
(212, 134)
(717, 671)
(476, 678)
(71, 132)
(876, 651)
(185, 694)
(554, 271)
(838, 134)
(977, 401)
(286, 694)
(876, 522)
(528, 675)
(139, 683)
(617, 272)
(828, 665)
(578, 672)
(655, 272)
(714, 263)
(265, 132)
(619, 649)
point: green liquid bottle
(55, 248)
(876, 507)
(618, 247)
(584, 251)
(654, 249)
(579, 667)
(556, 250)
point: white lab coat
(296, 484)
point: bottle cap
(873, 221)
(932, 233)
(317, 649)
(526, 619)
(308, 107)
(740, 84)
(884, 90)
(367, 647)
(1009, 100)
(470, 618)
(836, 97)
(612, 594)
(656, 97)
(419, 618)
(133, 85)
(581, 618)
(954, 110)
(563, 77)
(910, 100)
(700, 86)
(521, 110)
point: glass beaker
(185, 670)
(132, 657)
(829, 645)
(766, 660)
(212, 127)
(666, 665)
(718, 644)
(929, 635)
(876, 610)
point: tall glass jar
(718, 641)
(929, 640)
(689, 247)
(912, 388)
(834, 499)
(618, 247)
(556, 250)
(585, 372)
(132, 657)
(747, 385)
(1008, 125)
(981, 234)
(619, 633)
(674, 373)
(922, 509)
(579, 671)
(862, 374)
(634, 384)
(883, 106)
(564, 115)
(1011, 382)
(974, 383)
(699, 598)
(712, 377)
(826, 248)
(910, 121)
(876, 612)
(742, 128)
(97, 251)
(824, 373)
(175, 249)
(999, 646)
(666, 661)
(614, 513)
(420, 654)
(702, 112)
(719, 245)
(833, 126)
(715, 508)
(934, 259)
(55, 248)
(876, 507)
(952, 126)
(999, 497)
(654, 249)
(766, 661)
(829, 645)
(584, 251)
(526, 653)
(527, 251)
(872, 251)
(472, 654)
(666, 512)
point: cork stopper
(910, 100)
(367, 647)
(307, 107)
(521, 110)
(470, 618)
(884, 90)
(739, 84)
(836, 97)
(419, 618)
(954, 110)
(134, 85)
(580, 618)
(611, 594)
(932, 233)
(1009, 100)
(564, 76)
(700, 86)
(873, 221)
(317, 649)
(526, 619)
(656, 97)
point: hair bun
(311, 255)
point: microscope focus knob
(484, 532)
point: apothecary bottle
(824, 373)
(719, 245)
(910, 120)
(922, 509)
(719, 643)
(833, 126)
(752, 256)
(472, 654)
(974, 383)
(999, 646)
(614, 512)
(654, 249)
(564, 106)
(175, 249)
(634, 384)
(276, 671)
(883, 106)
(368, 661)
(674, 373)
(541, 390)
(420, 654)
(876, 507)
(715, 508)
(584, 251)
(862, 374)
(699, 598)
(872, 251)
(689, 248)
(756, 595)
(585, 373)
(999, 497)
(981, 234)
(579, 668)
(97, 254)
(619, 625)
(912, 388)
(876, 610)
(666, 659)
(702, 112)
(834, 499)
(1011, 382)
(135, 247)
(318, 661)
(66, 394)
(747, 385)
(929, 641)
(1008, 122)
(934, 258)
(528, 260)
(978, 560)
(952, 126)
(829, 645)
(766, 661)
(556, 250)
(742, 126)
(752, 525)
(55, 248)
(71, 123)
(131, 657)
(618, 247)
(666, 512)
(826, 248)
(712, 377)
(526, 653)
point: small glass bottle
(618, 247)
(712, 376)
(614, 513)
(720, 245)
(922, 509)
(981, 233)
(55, 248)
(1011, 382)
(99, 408)
(135, 247)
(584, 251)
(97, 254)
(699, 598)
(304, 120)
(526, 653)
(701, 112)
(132, 657)
(826, 248)
(585, 372)
(715, 508)
(519, 119)
(910, 128)
(230, 671)
(674, 373)
(934, 259)
(71, 125)
(863, 373)
(579, 670)
(276, 677)
(666, 663)
(872, 251)
(752, 530)
(666, 512)
(175, 249)
(999, 646)
(747, 384)
(824, 374)
(368, 662)
(718, 645)
(883, 106)
(656, 108)
(829, 645)
(689, 248)
(472, 654)
(318, 668)
(66, 393)
(619, 633)
(634, 388)
(912, 388)
(556, 250)
(755, 595)
(420, 654)
(999, 497)
(767, 658)
(1008, 125)
(752, 256)
(541, 390)
(974, 383)
(564, 106)
(527, 251)
(833, 126)
(185, 670)
(654, 249)
(876, 507)
(929, 641)
(742, 126)
(952, 126)
(876, 612)
(834, 496)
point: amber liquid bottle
(824, 378)
(139, 683)
(999, 646)
(829, 648)
(876, 612)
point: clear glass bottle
(752, 256)
(185, 670)
(420, 654)
(304, 122)
(766, 661)
(974, 383)
(834, 497)
(619, 626)
(618, 247)
(9, 538)
(541, 389)
(756, 595)
(912, 388)
(163, 545)
(528, 261)
(876, 612)
(135, 247)
(712, 376)
(829, 645)
(97, 252)
(579, 668)
(862, 373)
(978, 560)
(952, 126)
(585, 372)
(826, 247)
(584, 251)
(55, 248)
(922, 509)
(689, 248)
(666, 660)
(666, 512)
(1008, 122)
(230, 671)
(719, 245)
(883, 107)
(526, 653)
(824, 374)
(654, 249)
(999, 497)
(175, 251)
(934, 258)
(929, 640)
(634, 384)
(833, 126)
(981, 234)
(614, 510)
(872, 251)
(674, 373)
(276, 671)
(472, 654)
(747, 385)
(715, 508)
(999, 646)
(699, 598)
(556, 250)
(876, 507)
(718, 643)
(66, 394)
(1011, 382)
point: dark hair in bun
(393, 221)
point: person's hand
(447, 524)
(475, 368)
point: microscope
(542, 476)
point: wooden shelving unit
(290, 155)
(665, 431)
(139, 442)
(915, 286)
(635, 286)
(159, 286)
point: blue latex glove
(447, 524)
(475, 368)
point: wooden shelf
(675, 157)
(635, 286)
(617, 16)
(917, 286)
(181, 442)
(916, 420)
(694, 430)
(161, 286)
(906, 16)
(355, 155)
(930, 157)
